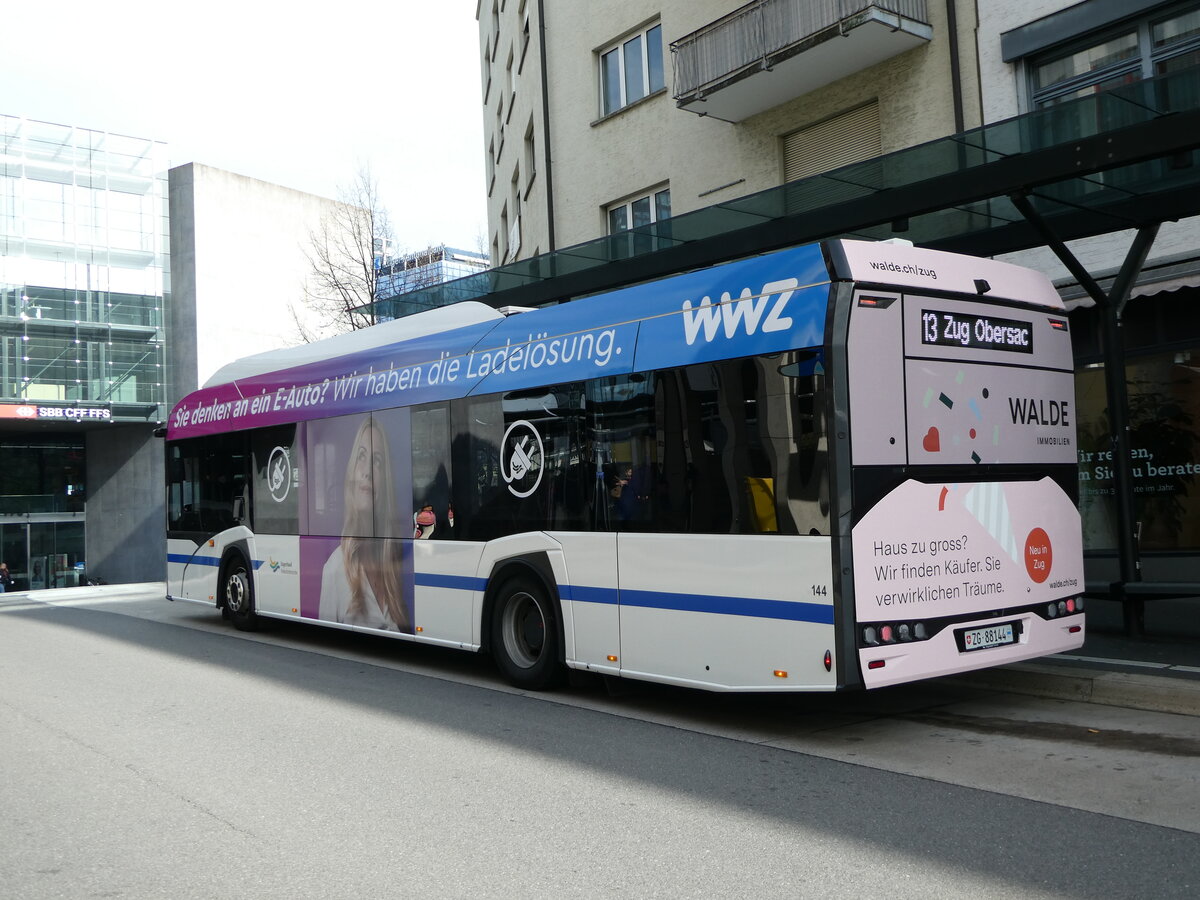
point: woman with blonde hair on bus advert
(360, 583)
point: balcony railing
(762, 34)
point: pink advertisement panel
(356, 546)
(929, 550)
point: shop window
(1164, 439)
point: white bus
(840, 465)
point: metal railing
(751, 34)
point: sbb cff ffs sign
(53, 413)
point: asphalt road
(149, 750)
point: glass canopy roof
(1113, 160)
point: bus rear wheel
(238, 589)
(525, 635)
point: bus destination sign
(949, 329)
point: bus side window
(276, 490)
(433, 513)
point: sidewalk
(1159, 671)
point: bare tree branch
(341, 288)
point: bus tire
(525, 635)
(237, 589)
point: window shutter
(847, 138)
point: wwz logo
(752, 313)
(521, 457)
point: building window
(495, 27)
(491, 165)
(514, 234)
(1153, 45)
(530, 156)
(503, 237)
(631, 69)
(510, 82)
(645, 210)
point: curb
(51, 595)
(1153, 693)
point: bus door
(720, 505)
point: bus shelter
(1121, 160)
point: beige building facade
(612, 113)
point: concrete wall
(125, 534)
(238, 268)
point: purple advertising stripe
(764, 304)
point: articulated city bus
(839, 465)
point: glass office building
(83, 281)
(399, 276)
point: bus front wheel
(525, 635)
(238, 588)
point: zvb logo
(279, 474)
(521, 458)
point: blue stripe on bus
(731, 606)
(458, 582)
(754, 607)
(588, 594)
(186, 559)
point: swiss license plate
(989, 636)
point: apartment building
(604, 116)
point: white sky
(298, 94)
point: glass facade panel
(83, 248)
(41, 474)
(43, 554)
(14, 550)
(1164, 437)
